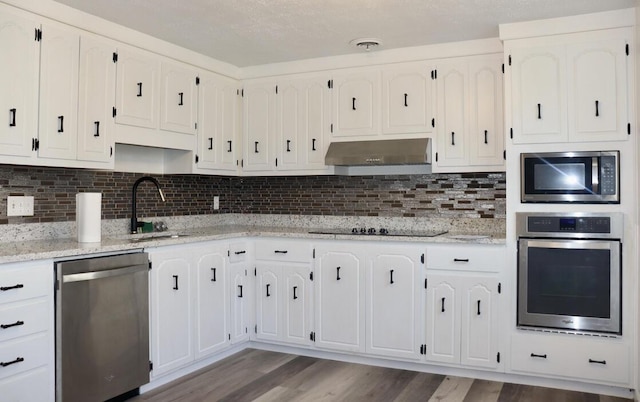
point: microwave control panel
(608, 179)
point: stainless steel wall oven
(570, 271)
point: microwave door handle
(595, 172)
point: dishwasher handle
(88, 276)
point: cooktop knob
(372, 231)
(354, 230)
(363, 230)
(383, 231)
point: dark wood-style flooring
(257, 375)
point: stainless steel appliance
(570, 271)
(102, 327)
(583, 177)
(380, 232)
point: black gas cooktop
(380, 232)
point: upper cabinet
(570, 88)
(137, 88)
(179, 97)
(259, 101)
(356, 105)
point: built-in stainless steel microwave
(580, 177)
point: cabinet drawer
(27, 353)
(592, 359)
(238, 252)
(34, 385)
(20, 319)
(487, 258)
(277, 250)
(20, 282)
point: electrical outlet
(216, 202)
(19, 205)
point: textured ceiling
(253, 32)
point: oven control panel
(569, 224)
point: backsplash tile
(466, 195)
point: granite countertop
(69, 247)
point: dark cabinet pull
(597, 109)
(405, 100)
(460, 260)
(239, 252)
(256, 147)
(229, 150)
(442, 309)
(61, 124)
(544, 356)
(17, 360)
(294, 292)
(453, 142)
(139, 89)
(539, 111)
(240, 288)
(175, 281)
(338, 273)
(97, 133)
(268, 293)
(12, 117)
(210, 144)
(478, 307)
(353, 103)
(485, 137)
(15, 324)
(288, 145)
(5, 288)
(313, 144)
(604, 362)
(214, 275)
(281, 251)
(181, 95)
(391, 277)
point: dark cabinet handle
(288, 145)
(15, 324)
(5, 288)
(460, 260)
(214, 275)
(313, 144)
(268, 293)
(139, 89)
(442, 309)
(603, 362)
(240, 288)
(229, 150)
(597, 109)
(210, 143)
(478, 307)
(391, 277)
(239, 252)
(181, 95)
(12, 117)
(255, 149)
(539, 111)
(353, 103)
(453, 142)
(175, 281)
(294, 292)
(61, 124)
(17, 360)
(486, 141)
(405, 100)
(97, 133)
(281, 251)
(544, 356)
(338, 273)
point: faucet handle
(160, 226)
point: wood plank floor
(257, 375)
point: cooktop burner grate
(380, 232)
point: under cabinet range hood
(379, 153)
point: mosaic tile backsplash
(465, 195)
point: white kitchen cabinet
(218, 124)
(339, 308)
(259, 127)
(394, 297)
(569, 88)
(178, 98)
(443, 319)
(268, 305)
(19, 83)
(96, 99)
(297, 311)
(356, 103)
(137, 97)
(58, 119)
(240, 289)
(470, 135)
(408, 99)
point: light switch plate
(20, 205)
(216, 202)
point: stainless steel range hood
(379, 153)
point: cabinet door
(97, 97)
(443, 319)
(137, 100)
(453, 120)
(486, 133)
(538, 95)
(259, 127)
(212, 302)
(18, 84)
(58, 122)
(407, 99)
(393, 299)
(171, 320)
(178, 105)
(296, 294)
(598, 91)
(339, 305)
(479, 322)
(238, 293)
(356, 104)
(267, 302)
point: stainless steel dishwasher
(102, 327)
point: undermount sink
(157, 237)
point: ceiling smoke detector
(367, 44)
